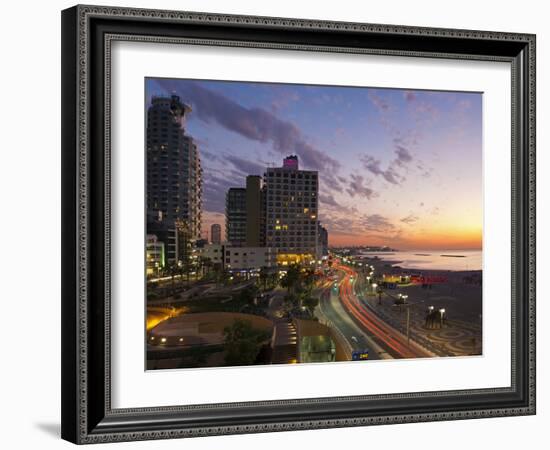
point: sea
(432, 260)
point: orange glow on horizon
(438, 240)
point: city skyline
(271, 291)
(396, 167)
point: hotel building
(291, 199)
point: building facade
(174, 176)
(213, 252)
(292, 212)
(191, 205)
(323, 240)
(165, 231)
(216, 233)
(240, 259)
(249, 259)
(154, 250)
(235, 216)
(255, 220)
(184, 243)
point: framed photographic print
(282, 224)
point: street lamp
(374, 290)
(441, 316)
(157, 265)
(408, 306)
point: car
(360, 355)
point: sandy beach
(459, 293)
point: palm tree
(224, 276)
(263, 277)
(291, 279)
(310, 303)
(242, 343)
(309, 280)
(273, 279)
(290, 301)
(181, 269)
(206, 265)
(218, 269)
(172, 272)
(189, 266)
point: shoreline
(394, 267)
(422, 260)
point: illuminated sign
(419, 279)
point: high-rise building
(174, 177)
(254, 211)
(292, 212)
(235, 216)
(323, 240)
(191, 210)
(165, 230)
(183, 242)
(216, 233)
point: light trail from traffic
(383, 332)
(332, 310)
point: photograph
(298, 223)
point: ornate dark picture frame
(87, 35)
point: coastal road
(332, 311)
(336, 317)
(383, 333)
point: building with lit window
(249, 259)
(154, 255)
(174, 177)
(235, 216)
(255, 212)
(240, 259)
(245, 214)
(291, 212)
(323, 241)
(213, 252)
(216, 233)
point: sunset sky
(396, 167)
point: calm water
(429, 259)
